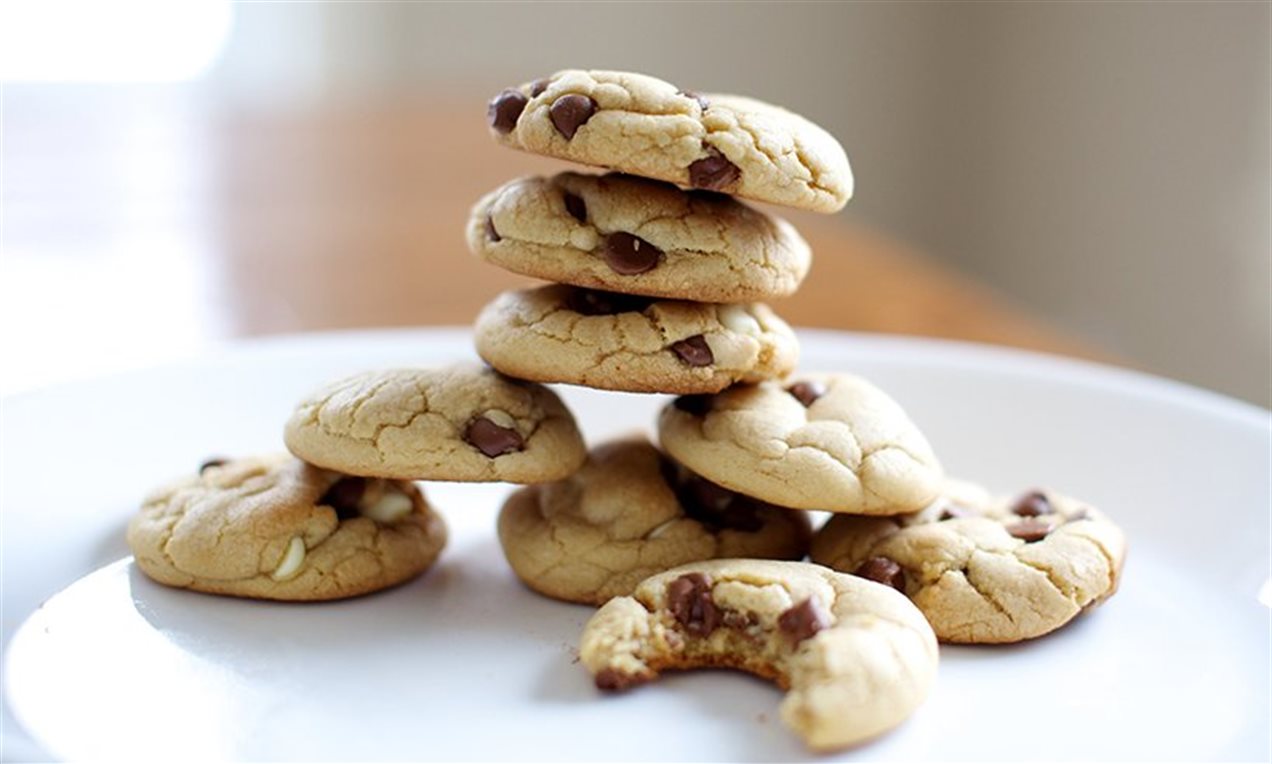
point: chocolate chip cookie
(630, 513)
(636, 344)
(626, 234)
(815, 441)
(462, 422)
(985, 570)
(277, 528)
(855, 657)
(641, 125)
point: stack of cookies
(693, 549)
(660, 272)
(660, 289)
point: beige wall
(1106, 164)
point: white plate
(465, 663)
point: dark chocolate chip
(716, 506)
(807, 392)
(491, 233)
(612, 679)
(694, 351)
(594, 302)
(491, 439)
(1030, 530)
(698, 405)
(803, 620)
(689, 600)
(714, 172)
(884, 570)
(575, 206)
(215, 461)
(701, 99)
(1032, 504)
(344, 495)
(571, 112)
(628, 255)
(504, 110)
(954, 511)
(537, 87)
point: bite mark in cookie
(855, 658)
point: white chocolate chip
(660, 528)
(585, 238)
(736, 318)
(501, 418)
(391, 507)
(292, 559)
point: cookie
(855, 657)
(641, 125)
(816, 441)
(461, 422)
(637, 344)
(630, 513)
(636, 236)
(277, 528)
(985, 570)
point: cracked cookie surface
(644, 126)
(277, 528)
(462, 422)
(855, 657)
(815, 441)
(986, 570)
(611, 341)
(629, 513)
(627, 234)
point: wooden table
(143, 233)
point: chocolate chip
(694, 351)
(884, 570)
(344, 495)
(537, 87)
(575, 206)
(1032, 504)
(215, 461)
(1030, 530)
(491, 439)
(803, 620)
(714, 173)
(689, 600)
(594, 302)
(702, 100)
(614, 680)
(807, 392)
(629, 255)
(491, 233)
(698, 405)
(504, 110)
(710, 504)
(954, 511)
(571, 112)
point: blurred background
(1082, 178)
